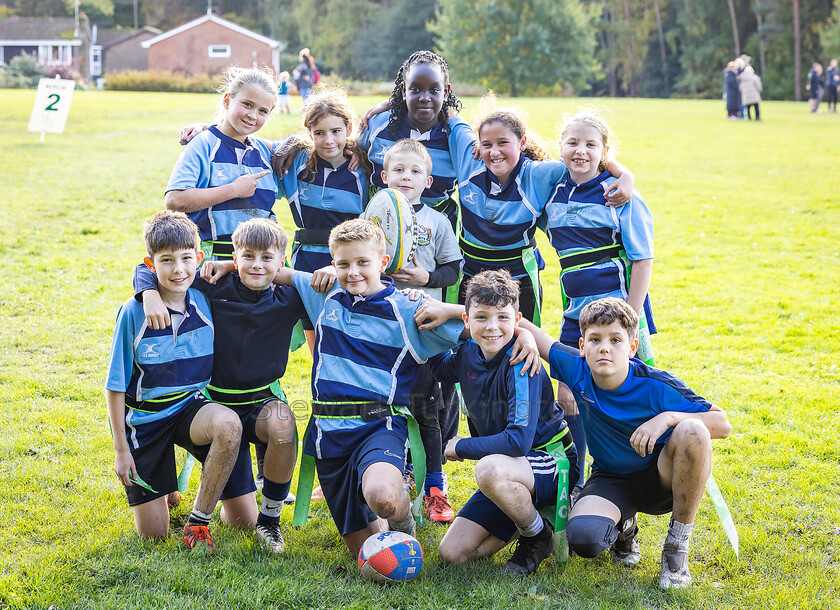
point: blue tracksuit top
(512, 413)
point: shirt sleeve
(636, 225)
(427, 343)
(676, 396)
(446, 244)
(144, 279)
(461, 139)
(192, 170)
(313, 301)
(543, 177)
(121, 362)
(446, 366)
(515, 440)
(565, 362)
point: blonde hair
(169, 230)
(236, 78)
(329, 101)
(260, 234)
(514, 120)
(411, 146)
(592, 118)
(358, 230)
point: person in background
(816, 84)
(832, 81)
(304, 74)
(750, 91)
(283, 92)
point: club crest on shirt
(424, 236)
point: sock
(433, 479)
(579, 437)
(272, 500)
(534, 529)
(678, 535)
(199, 518)
(402, 526)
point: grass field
(745, 294)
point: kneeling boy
(153, 390)
(649, 435)
(513, 418)
(253, 323)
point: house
(208, 45)
(116, 49)
(57, 42)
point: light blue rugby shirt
(611, 416)
(494, 216)
(214, 159)
(577, 218)
(366, 349)
(376, 140)
(150, 364)
(335, 194)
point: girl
(418, 108)
(502, 195)
(283, 92)
(223, 176)
(604, 251)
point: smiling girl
(223, 176)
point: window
(95, 60)
(218, 51)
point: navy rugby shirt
(511, 413)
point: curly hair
(492, 288)
(399, 109)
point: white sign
(52, 105)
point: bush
(160, 80)
(22, 72)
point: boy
(513, 419)
(649, 435)
(253, 322)
(152, 390)
(436, 265)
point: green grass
(745, 293)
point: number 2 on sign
(54, 97)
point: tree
(515, 46)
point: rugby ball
(390, 557)
(392, 212)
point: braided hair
(399, 109)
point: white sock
(532, 530)
(679, 534)
(271, 508)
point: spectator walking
(832, 81)
(816, 84)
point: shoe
(530, 552)
(408, 478)
(290, 499)
(260, 452)
(573, 497)
(173, 500)
(674, 573)
(271, 536)
(437, 504)
(625, 550)
(198, 536)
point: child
(283, 92)
(408, 169)
(321, 190)
(223, 176)
(367, 355)
(603, 250)
(501, 198)
(253, 323)
(515, 419)
(419, 107)
(649, 434)
(152, 390)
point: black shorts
(637, 492)
(155, 458)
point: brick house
(208, 45)
(115, 49)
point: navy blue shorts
(241, 480)
(341, 477)
(637, 492)
(154, 459)
(481, 510)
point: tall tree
(517, 46)
(797, 54)
(661, 36)
(734, 20)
